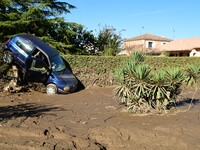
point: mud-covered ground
(92, 120)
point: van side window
(37, 65)
(38, 54)
(25, 45)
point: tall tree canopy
(34, 16)
(44, 18)
(39, 17)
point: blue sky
(173, 19)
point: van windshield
(57, 63)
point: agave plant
(139, 78)
(140, 88)
(158, 95)
(137, 57)
(174, 80)
(192, 74)
(122, 91)
(133, 81)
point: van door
(36, 71)
(24, 48)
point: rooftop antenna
(173, 31)
(142, 29)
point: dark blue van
(40, 63)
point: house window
(150, 44)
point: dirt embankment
(91, 119)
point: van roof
(40, 44)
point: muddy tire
(51, 89)
(8, 57)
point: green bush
(94, 70)
(99, 70)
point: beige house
(183, 47)
(147, 43)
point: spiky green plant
(139, 78)
(122, 91)
(140, 88)
(192, 74)
(174, 80)
(158, 95)
(132, 78)
(137, 57)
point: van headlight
(66, 88)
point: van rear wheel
(7, 57)
(51, 89)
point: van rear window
(25, 45)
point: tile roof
(148, 36)
(181, 44)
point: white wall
(194, 53)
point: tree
(108, 41)
(42, 18)
(39, 17)
(28, 15)
(83, 41)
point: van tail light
(5, 45)
(7, 41)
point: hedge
(99, 70)
(94, 70)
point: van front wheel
(51, 89)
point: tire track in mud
(16, 138)
(26, 139)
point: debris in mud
(11, 82)
(46, 132)
(12, 86)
